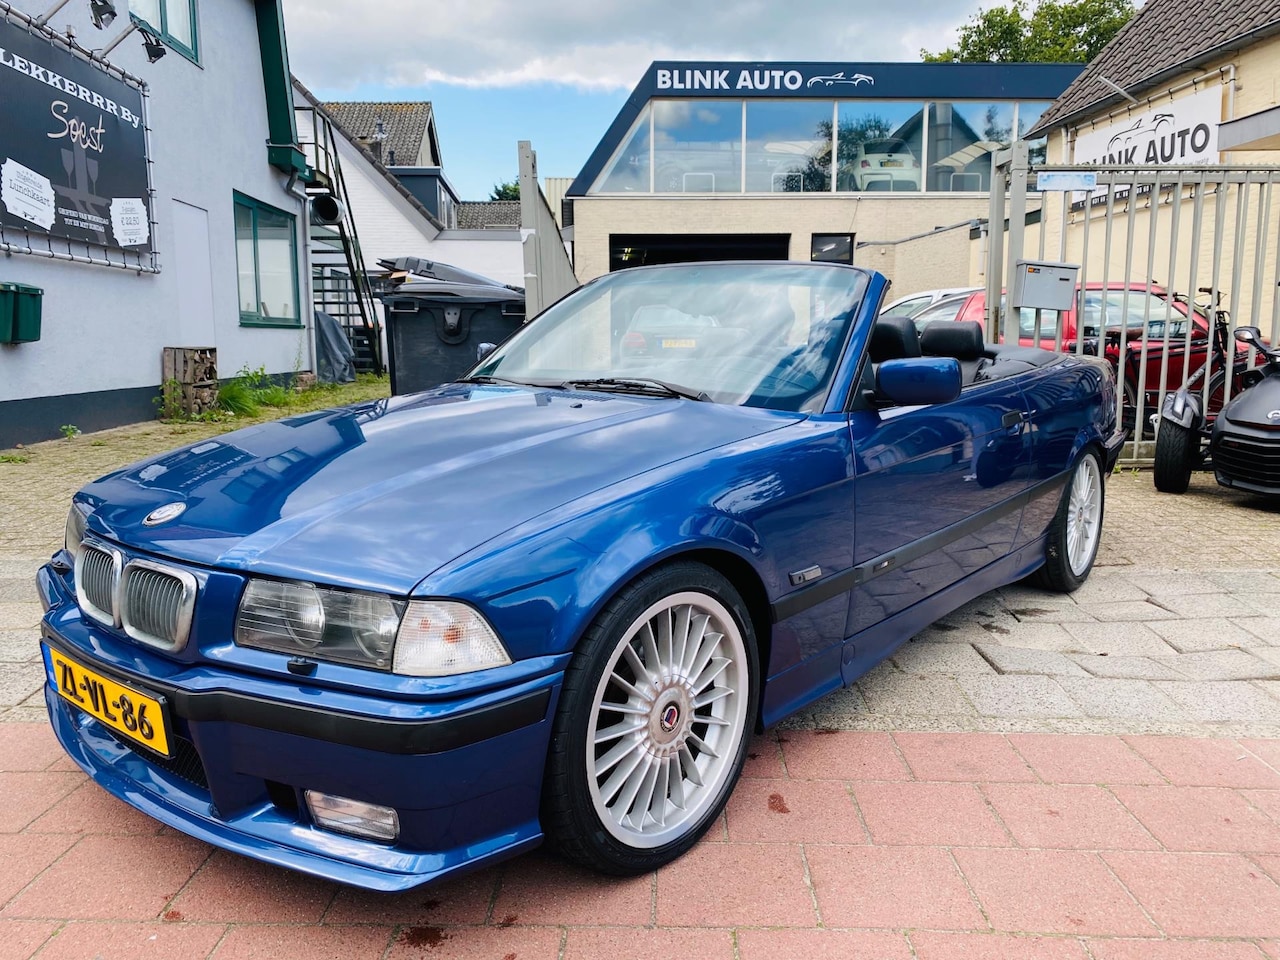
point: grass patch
(14, 458)
(238, 398)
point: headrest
(894, 338)
(961, 339)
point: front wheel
(653, 723)
(1176, 450)
(1076, 529)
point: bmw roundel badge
(164, 514)
(670, 717)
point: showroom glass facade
(763, 146)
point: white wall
(491, 253)
(390, 226)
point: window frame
(161, 29)
(255, 318)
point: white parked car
(886, 164)
(910, 305)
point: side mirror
(1251, 336)
(484, 349)
(920, 381)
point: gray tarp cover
(333, 351)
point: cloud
(589, 44)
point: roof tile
(488, 214)
(1163, 38)
(405, 123)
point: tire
(634, 721)
(1176, 450)
(1076, 530)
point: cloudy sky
(556, 72)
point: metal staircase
(339, 285)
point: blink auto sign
(73, 160)
(1178, 133)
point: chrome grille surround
(98, 582)
(156, 604)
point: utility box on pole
(1039, 285)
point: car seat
(961, 339)
(894, 338)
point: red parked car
(1110, 313)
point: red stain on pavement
(428, 937)
(777, 804)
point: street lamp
(103, 13)
(155, 49)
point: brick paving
(844, 843)
(1036, 776)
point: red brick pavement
(850, 845)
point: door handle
(1012, 419)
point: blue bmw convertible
(553, 600)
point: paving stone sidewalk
(861, 846)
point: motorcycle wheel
(1176, 449)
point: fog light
(343, 815)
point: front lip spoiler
(403, 737)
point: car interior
(896, 338)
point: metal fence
(1172, 260)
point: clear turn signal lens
(441, 638)
(354, 817)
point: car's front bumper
(463, 775)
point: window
(878, 146)
(1129, 309)
(267, 264)
(628, 171)
(1028, 116)
(906, 308)
(789, 146)
(831, 247)
(697, 146)
(174, 21)
(962, 137)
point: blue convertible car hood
(380, 495)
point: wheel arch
(739, 571)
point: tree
(506, 191)
(1056, 31)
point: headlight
(74, 534)
(439, 638)
(433, 638)
(305, 620)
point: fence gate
(1172, 260)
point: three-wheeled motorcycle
(1240, 441)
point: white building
(401, 201)
(186, 228)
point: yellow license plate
(669, 343)
(126, 710)
(890, 163)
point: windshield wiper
(518, 383)
(639, 385)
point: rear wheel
(1076, 529)
(654, 718)
(1176, 449)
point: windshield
(758, 335)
